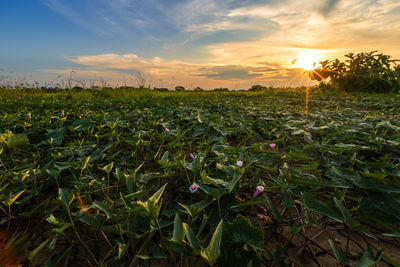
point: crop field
(142, 178)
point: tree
(366, 72)
(179, 88)
(257, 88)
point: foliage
(106, 184)
(365, 72)
(241, 242)
(179, 88)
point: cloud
(237, 43)
(329, 6)
(154, 66)
(170, 23)
(167, 73)
(116, 17)
(230, 72)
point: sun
(307, 62)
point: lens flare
(307, 62)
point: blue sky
(207, 43)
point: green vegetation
(105, 178)
(366, 72)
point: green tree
(365, 72)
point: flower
(191, 155)
(259, 190)
(239, 163)
(193, 188)
(222, 118)
(166, 130)
(272, 145)
(62, 113)
(29, 116)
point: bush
(364, 72)
(179, 88)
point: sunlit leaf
(212, 251)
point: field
(105, 178)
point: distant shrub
(364, 72)
(221, 89)
(179, 88)
(161, 89)
(257, 88)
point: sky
(206, 43)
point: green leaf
(346, 214)
(157, 195)
(211, 191)
(232, 183)
(313, 204)
(212, 181)
(194, 209)
(191, 237)
(65, 196)
(178, 234)
(274, 210)
(82, 124)
(129, 182)
(143, 256)
(151, 205)
(55, 136)
(392, 234)
(157, 253)
(196, 164)
(164, 159)
(368, 259)
(241, 232)
(13, 141)
(57, 258)
(103, 208)
(212, 251)
(34, 252)
(339, 253)
(126, 201)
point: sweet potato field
(142, 178)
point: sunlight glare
(307, 62)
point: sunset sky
(207, 43)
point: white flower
(193, 188)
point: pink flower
(259, 190)
(62, 113)
(193, 188)
(239, 163)
(222, 118)
(272, 145)
(166, 130)
(29, 116)
(191, 155)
